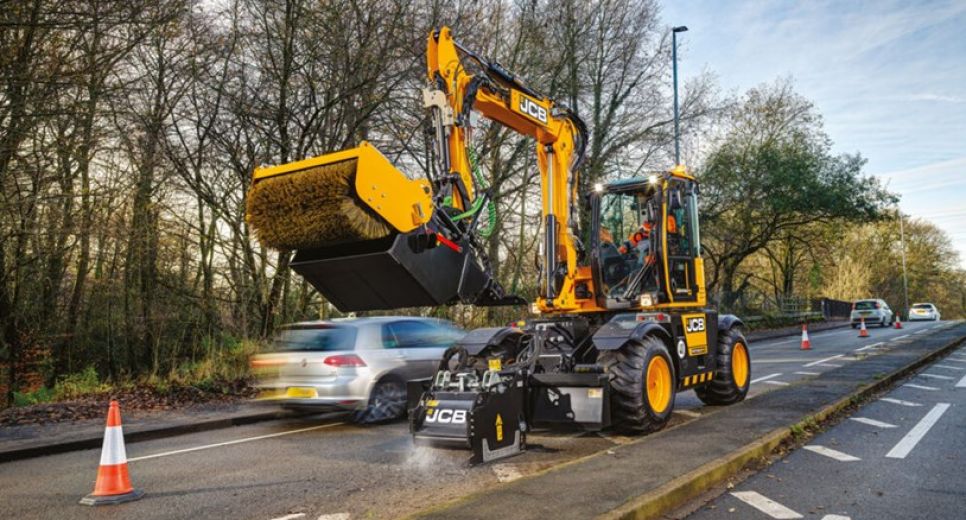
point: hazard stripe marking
(936, 376)
(830, 453)
(899, 401)
(900, 450)
(765, 378)
(919, 387)
(873, 422)
(765, 505)
(820, 361)
(961, 383)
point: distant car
(872, 311)
(361, 365)
(924, 311)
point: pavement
(320, 465)
(900, 456)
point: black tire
(723, 389)
(854, 325)
(387, 402)
(630, 408)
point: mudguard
(728, 321)
(615, 333)
(478, 339)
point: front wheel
(642, 383)
(732, 378)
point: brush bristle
(312, 208)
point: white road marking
(920, 387)
(935, 376)
(949, 367)
(236, 441)
(820, 361)
(777, 383)
(335, 516)
(900, 450)
(961, 383)
(689, 413)
(950, 360)
(506, 472)
(809, 373)
(765, 505)
(772, 361)
(829, 365)
(899, 401)
(290, 517)
(764, 378)
(921, 331)
(904, 336)
(829, 452)
(874, 345)
(873, 422)
(836, 517)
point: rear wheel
(642, 384)
(732, 378)
(387, 402)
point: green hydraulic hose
(478, 203)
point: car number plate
(300, 392)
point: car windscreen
(865, 306)
(927, 306)
(316, 339)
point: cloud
(937, 97)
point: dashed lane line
(949, 360)
(777, 383)
(820, 361)
(832, 454)
(899, 402)
(873, 422)
(874, 345)
(236, 441)
(919, 387)
(803, 373)
(904, 336)
(765, 505)
(949, 367)
(290, 517)
(765, 378)
(961, 383)
(335, 516)
(905, 446)
(828, 365)
(921, 331)
(935, 376)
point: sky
(889, 78)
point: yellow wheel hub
(739, 364)
(658, 384)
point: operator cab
(636, 220)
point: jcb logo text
(532, 109)
(695, 325)
(436, 415)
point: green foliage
(79, 384)
(41, 395)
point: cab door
(680, 237)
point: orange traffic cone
(806, 344)
(113, 483)
(863, 332)
(898, 322)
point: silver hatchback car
(872, 311)
(924, 311)
(359, 364)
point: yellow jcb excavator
(624, 322)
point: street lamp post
(674, 60)
(905, 278)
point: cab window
(682, 238)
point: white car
(924, 311)
(872, 311)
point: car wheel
(387, 402)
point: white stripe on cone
(113, 450)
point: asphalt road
(320, 465)
(900, 456)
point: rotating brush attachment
(312, 208)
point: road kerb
(690, 485)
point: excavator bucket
(361, 234)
